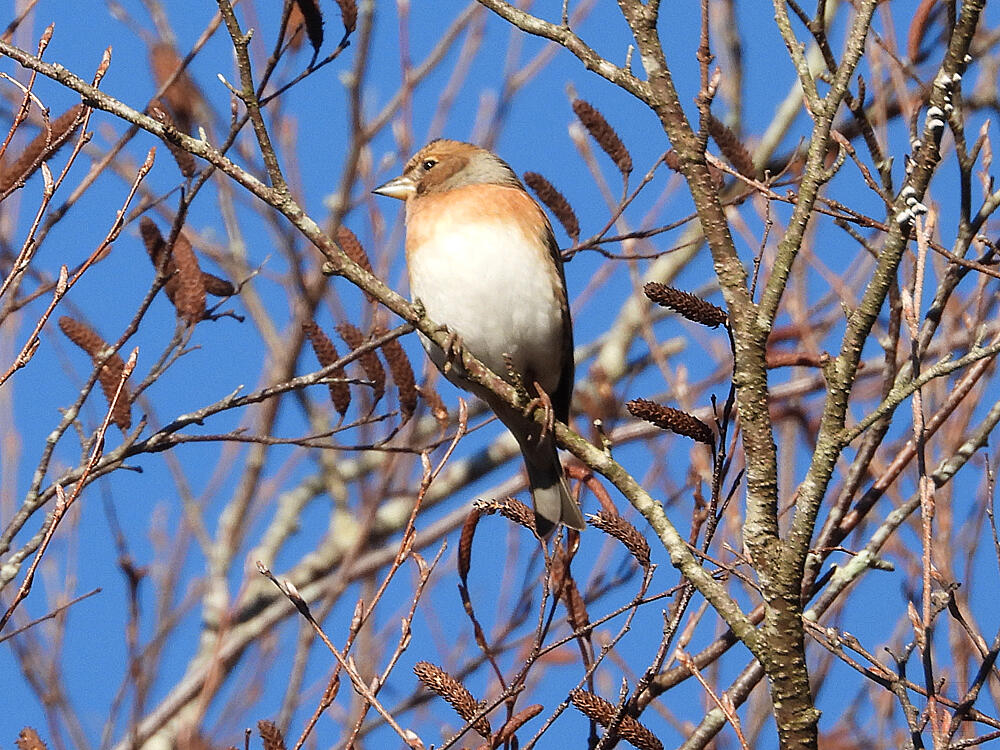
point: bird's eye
(429, 164)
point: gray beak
(401, 187)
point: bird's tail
(549, 491)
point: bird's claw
(452, 350)
(542, 401)
(515, 379)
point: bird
(483, 262)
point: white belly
(494, 289)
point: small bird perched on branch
(483, 261)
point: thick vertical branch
(843, 370)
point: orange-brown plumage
(483, 261)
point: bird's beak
(401, 187)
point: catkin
(181, 96)
(509, 508)
(313, 18)
(453, 691)
(603, 712)
(556, 203)
(616, 526)
(111, 372)
(686, 304)
(353, 249)
(44, 146)
(270, 734)
(28, 739)
(402, 375)
(369, 361)
(604, 134)
(326, 353)
(731, 147)
(185, 161)
(674, 420)
(349, 14)
(189, 298)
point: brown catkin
(616, 526)
(28, 739)
(576, 608)
(189, 299)
(353, 249)
(153, 240)
(271, 735)
(674, 420)
(464, 563)
(111, 372)
(326, 353)
(402, 375)
(731, 147)
(556, 203)
(156, 247)
(349, 14)
(44, 146)
(185, 161)
(181, 96)
(453, 691)
(437, 408)
(369, 361)
(313, 17)
(217, 287)
(686, 304)
(604, 134)
(509, 508)
(603, 712)
(295, 20)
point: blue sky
(530, 133)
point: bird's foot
(452, 350)
(515, 379)
(543, 402)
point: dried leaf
(576, 608)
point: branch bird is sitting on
(483, 261)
